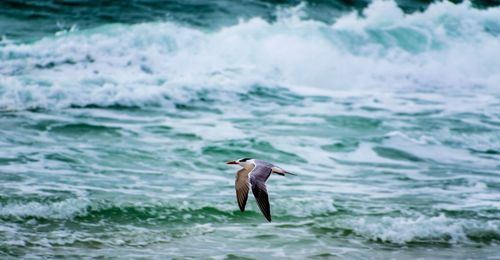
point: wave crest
(423, 229)
(57, 210)
(447, 46)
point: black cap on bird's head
(242, 160)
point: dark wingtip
(291, 173)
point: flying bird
(255, 174)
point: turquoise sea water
(116, 121)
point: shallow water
(113, 136)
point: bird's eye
(244, 159)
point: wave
(413, 229)
(424, 229)
(177, 211)
(448, 46)
(85, 210)
(56, 210)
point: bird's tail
(281, 171)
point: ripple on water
(79, 129)
(344, 145)
(357, 123)
(396, 154)
(253, 148)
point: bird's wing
(242, 186)
(258, 178)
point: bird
(254, 174)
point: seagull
(255, 174)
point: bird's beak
(232, 162)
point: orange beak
(232, 162)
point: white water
(448, 47)
(390, 121)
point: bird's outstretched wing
(258, 178)
(242, 186)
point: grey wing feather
(242, 186)
(264, 163)
(258, 178)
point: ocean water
(116, 120)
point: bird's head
(243, 162)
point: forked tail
(281, 171)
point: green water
(113, 139)
(152, 182)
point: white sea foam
(401, 230)
(303, 207)
(448, 46)
(57, 210)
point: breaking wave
(424, 229)
(419, 229)
(448, 46)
